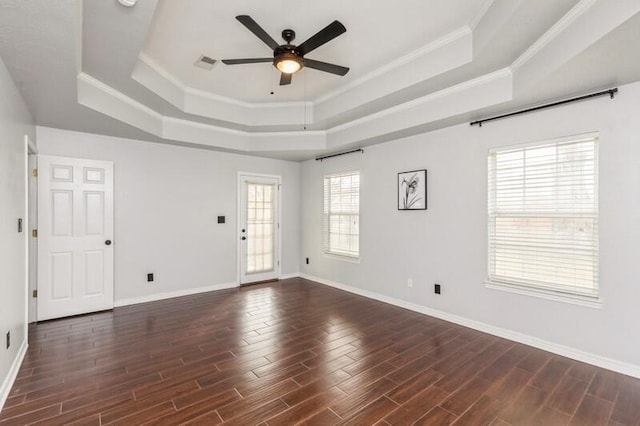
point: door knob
(108, 242)
(244, 238)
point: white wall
(448, 242)
(15, 123)
(167, 199)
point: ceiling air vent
(205, 62)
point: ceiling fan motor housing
(286, 52)
(288, 35)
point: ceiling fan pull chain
(305, 101)
(271, 80)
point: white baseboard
(172, 294)
(287, 276)
(566, 351)
(188, 292)
(13, 373)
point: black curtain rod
(340, 153)
(610, 92)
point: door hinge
(34, 233)
(35, 293)
(34, 172)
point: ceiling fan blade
(285, 79)
(246, 61)
(256, 29)
(326, 67)
(323, 36)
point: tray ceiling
(96, 66)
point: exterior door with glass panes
(259, 232)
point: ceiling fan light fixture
(127, 3)
(288, 63)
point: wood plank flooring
(299, 352)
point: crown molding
(102, 98)
(485, 79)
(585, 24)
(399, 64)
(553, 32)
(588, 21)
(157, 79)
(150, 62)
(437, 57)
(480, 15)
(483, 91)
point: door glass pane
(260, 227)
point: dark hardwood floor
(299, 352)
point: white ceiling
(377, 33)
(98, 67)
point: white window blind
(342, 214)
(543, 216)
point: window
(342, 214)
(543, 217)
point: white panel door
(75, 232)
(259, 232)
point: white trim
(171, 294)
(26, 227)
(277, 178)
(32, 149)
(198, 125)
(557, 29)
(398, 64)
(556, 348)
(148, 61)
(580, 137)
(480, 15)
(395, 66)
(341, 257)
(288, 276)
(13, 373)
(541, 293)
(403, 107)
(102, 98)
(94, 82)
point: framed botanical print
(412, 190)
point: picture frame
(412, 190)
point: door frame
(29, 225)
(238, 234)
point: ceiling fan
(289, 58)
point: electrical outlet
(8, 339)
(436, 288)
(410, 282)
(150, 277)
(307, 260)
